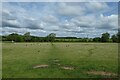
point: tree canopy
(51, 37)
(105, 37)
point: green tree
(12, 37)
(27, 37)
(96, 39)
(105, 37)
(51, 37)
(114, 38)
(15, 37)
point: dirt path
(91, 51)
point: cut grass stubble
(64, 60)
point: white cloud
(67, 25)
(60, 0)
(5, 11)
(108, 22)
(49, 19)
(96, 6)
(65, 19)
(10, 23)
(70, 10)
(84, 21)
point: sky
(73, 19)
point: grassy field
(60, 60)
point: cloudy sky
(77, 19)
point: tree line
(15, 37)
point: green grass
(19, 59)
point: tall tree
(27, 36)
(105, 37)
(114, 38)
(51, 37)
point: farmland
(59, 60)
